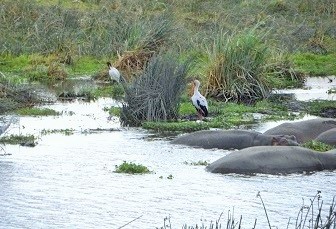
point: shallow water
(69, 181)
(314, 88)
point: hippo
(304, 130)
(232, 139)
(328, 137)
(274, 160)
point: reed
(238, 72)
(155, 94)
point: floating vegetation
(56, 131)
(131, 168)
(318, 146)
(198, 163)
(24, 140)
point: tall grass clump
(238, 70)
(155, 94)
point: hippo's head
(284, 140)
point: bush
(155, 94)
(238, 72)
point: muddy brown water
(69, 181)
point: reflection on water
(315, 88)
(68, 181)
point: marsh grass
(238, 72)
(155, 94)
(324, 108)
(35, 111)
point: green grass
(315, 65)
(66, 132)
(131, 168)
(198, 163)
(318, 146)
(34, 111)
(224, 115)
(18, 139)
(318, 107)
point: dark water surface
(69, 181)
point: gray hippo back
(274, 160)
(328, 137)
(232, 139)
(304, 130)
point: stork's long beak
(191, 88)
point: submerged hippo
(274, 160)
(304, 130)
(328, 137)
(232, 139)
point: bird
(199, 101)
(113, 73)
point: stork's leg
(200, 116)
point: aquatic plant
(26, 140)
(132, 168)
(55, 131)
(318, 146)
(155, 94)
(202, 163)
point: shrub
(155, 94)
(238, 72)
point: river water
(68, 181)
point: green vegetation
(321, 107)
(241, 49)
(238, 67)
(314, 64)
(55, 131)
(132, 168)
(198, 163)
(18, 139)
(318, 146)
(225, 115)
(35, 111)
(155, 94)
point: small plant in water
(318, 146)
(131, 168)
(18, 140)
(200, 162)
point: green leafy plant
(318, 146)
(18, 139)
(35, 111)
(131, 168)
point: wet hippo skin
(232, 139)
(274, 160)
(304, 130)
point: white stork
(199, 101)
(113, 73)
